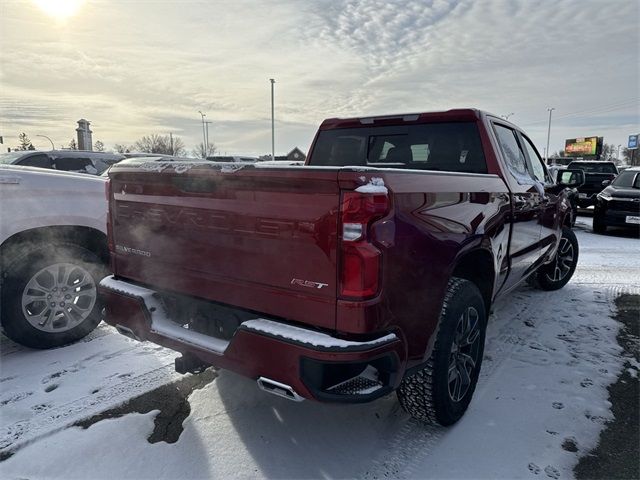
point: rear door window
(72, 164)
(40, 160)
(453, 147)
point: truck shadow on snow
(311, 439)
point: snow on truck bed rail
(375, 185)
(311, 337)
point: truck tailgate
(261, 239)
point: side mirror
(570, 178)
(606, 183)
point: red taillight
(360, 259)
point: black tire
(76, 310)
(427, 395)
(598, 224)
(557, 273)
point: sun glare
(59, 9)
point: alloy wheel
(59, 297)
(464, 354)
(563, 261)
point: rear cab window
(452, 147)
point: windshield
(9, 158)
(627, 179)
(594, 167)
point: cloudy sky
(147, 66)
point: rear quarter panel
(438, 218)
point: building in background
(85, 142)
(295, 155)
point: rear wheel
(50, 297)
(440, 393)
(557, 273)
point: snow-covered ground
(548, 361)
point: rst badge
(308, 283)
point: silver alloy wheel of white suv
(59, 297)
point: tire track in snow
(416, 439)
(15, 436)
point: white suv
(53, 253)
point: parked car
(370, 269)
(619, 203)
(597, 176)
(80, 161)
(53, 253)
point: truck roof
(454, 115)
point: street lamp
(273, 131)
(204, 137)
(53, 147)
(548, 134)
(206, 148)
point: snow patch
(375, 185)
(178, 167)
(233, 167)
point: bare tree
(201, 152)
(176, 147)
(608, 151)
(25, 142)
(631, 157)
(163, 144)
(121, 148)
(98, 146)
(73, 145)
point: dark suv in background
(619, 204)
(82, 161)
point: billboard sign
(633, 142)
(581, 147)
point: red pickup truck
(371, 268)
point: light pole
(53, 147)
(273, 131)
(204, 137)
(546, 159)
(206, 148)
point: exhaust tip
(279, 389)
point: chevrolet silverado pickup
(369, 269)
